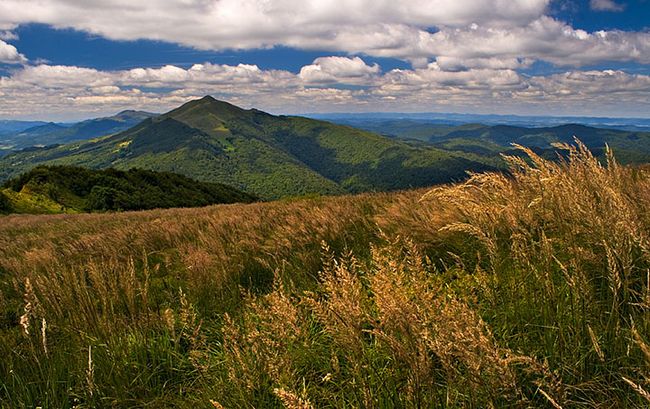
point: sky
(66, 60)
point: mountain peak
(130, 112)
(212, 101)
(196, 112)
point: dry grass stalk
(44, 335)
(291, 400)
(550, 399)
(90, 372)
(637, 388)
(341, 309)
(216, 404)
(31, 305)
(594, 341)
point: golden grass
(527, 289)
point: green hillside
(488, 141)
(631, 147)
(67, 189)
(270, 156)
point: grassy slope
(523, 292)
(271, 156)
(28, 202)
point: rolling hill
(266, 155)
(44, 134)
(490, 140)
(9, 128)
(630, 146)
(67, 189)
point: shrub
(5, 205)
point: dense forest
(80, 189)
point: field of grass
(526, 290)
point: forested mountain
(490, 140)
(65, 189)
(266, 155)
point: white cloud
(455, 63)
(10, 55)
(61, 77)
(254, 23)
(460, 34)
(606, 5)
(8, 35)
(338, 69)
(543, 39)
(65, 92)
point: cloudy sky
(73, 59)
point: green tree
(101, 198)
(5, 206)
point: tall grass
(526, 289)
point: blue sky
(70, 47)
(65, 59)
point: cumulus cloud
(543, 39)
(8, 35)
(338, 69)
(54, 92)
(606, 5)
(457, 34)
(10, 55)
(254, 23)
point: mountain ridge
(267, 155)
(51, 133)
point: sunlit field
(525, 289)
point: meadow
(522, 289)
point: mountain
(36, 134)
(44, 134)
(454, 119)
(65, 189)
(10, 126)
(269, 156)
(630, 146)
(489, 140)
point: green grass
(31, 203)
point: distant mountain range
(49, 133)
(490, 141)
(278, 156)
(266, 155)
(431, 118)
(9, 126)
